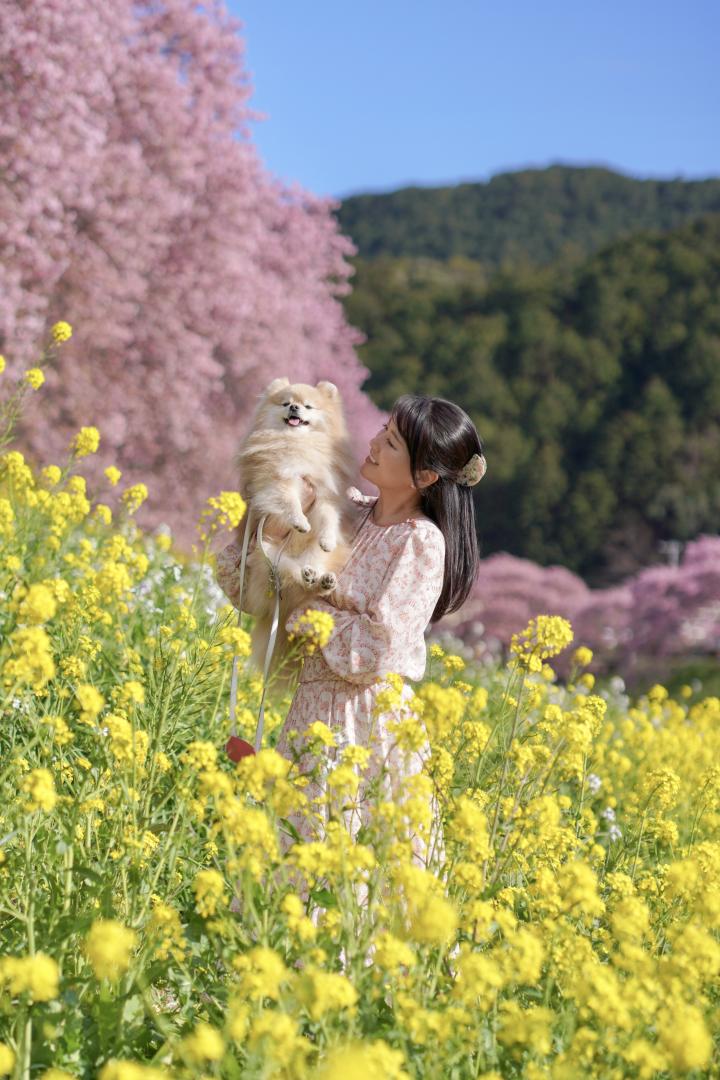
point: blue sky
(373, 96)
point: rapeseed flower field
(542, 900)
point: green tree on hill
(596, 388)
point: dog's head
(300, 408)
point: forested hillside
(532, 216)
(596, 388)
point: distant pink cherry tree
(638, 629)
(133, 204)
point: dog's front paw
(301, 523)
(309, 577)
(327, 541)
(328, 582)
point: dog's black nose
(294, 407)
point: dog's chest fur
(272, 455)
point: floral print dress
(385, 596)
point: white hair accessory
(473, 472)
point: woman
(414, 558)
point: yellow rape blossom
(209, 891)
(322, 992)
(7, 1055)
(39, 786)
(120, 1069)
(544, 636)
(164, 929)
(683, 1035)
(204, 1044)
(661, 787)
(391, 953)
(34, 377)
(582, 656)
(108, 946)
(61, 331)
(453, 663)
(262, 972)
(36, 975)
(363, 1061)
(312, 629)
(90, 701)
(277, 1035)
(236, 640)
(133, 497)
(318, 732)
(127, 744)
(86, 441)
(297, 920)
(31, 660)
(226, 509)
(199, 754)
(433, 921)
(113, 475)
(38, 606)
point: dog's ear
(329, 389)
(276, 384)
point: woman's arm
(389, 636)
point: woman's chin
(366, 470)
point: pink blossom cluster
(134, 205)
(637, 629)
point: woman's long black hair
(441, 436)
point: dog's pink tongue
(293, 421)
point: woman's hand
(275, 528)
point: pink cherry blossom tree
(133, 204)
(639, 629)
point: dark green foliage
(595, 388)
(522, 218)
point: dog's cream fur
(272, 462)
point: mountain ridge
(528, 217)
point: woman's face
(388, 462)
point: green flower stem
(701, 807)
(582, 796)
(481, 756)
(166, 694)
(637, 849)
(139, 919)
(26, 1055)
(503, 776)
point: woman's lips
(369, 461)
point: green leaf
(324, 898)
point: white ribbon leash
(273, 629)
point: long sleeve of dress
(227, 573)
(388, 636)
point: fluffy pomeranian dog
(297, 431)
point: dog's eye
(285, 404)
(308, 406)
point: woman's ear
(426, 477)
